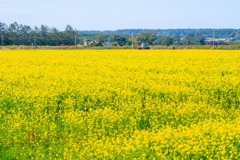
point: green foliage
(146, 37)
(167, 41)
(194, 39)
(100, 39)
(18, 34)
(119, 40)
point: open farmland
(120, 104)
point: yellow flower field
(120, 104)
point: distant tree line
(208, 33)
(18, 34)
(148, 37)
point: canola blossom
(120, 104)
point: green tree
(199, 40)
(176, 40)
(129, 41)
(146, 37)
(12, 33)
(188, 40)
(69, 35)
(238, 35)
(167, 41)
(100, 39)
(43, 38)
(3, 28)
(118, 39)
(54, 37)
(24, 34)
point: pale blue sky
(123, 14)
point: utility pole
(132, 41)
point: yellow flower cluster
(119, 104)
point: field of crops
(120, 104)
